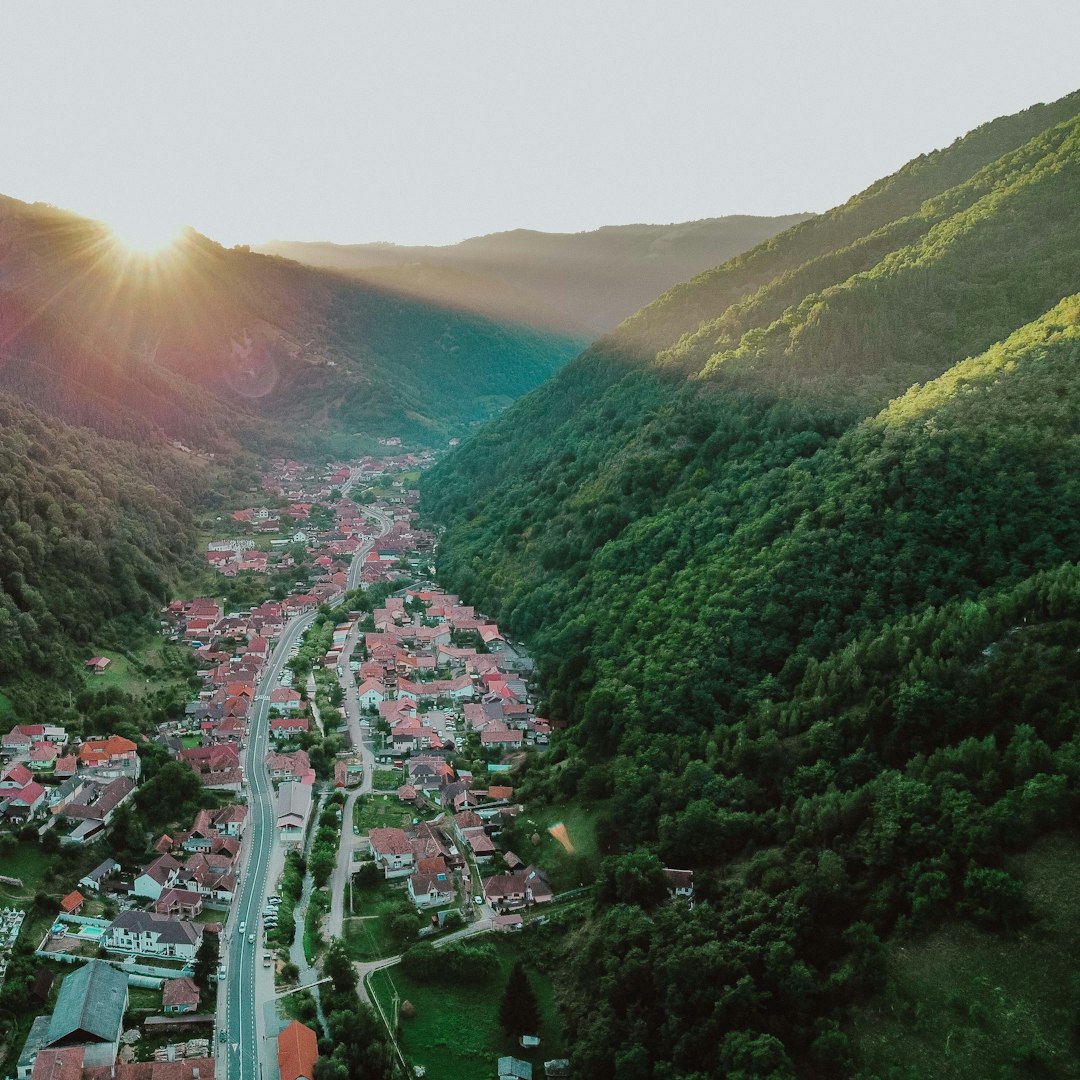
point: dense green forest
(228, 349)
(815, 633)
(91, 530)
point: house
(371, 694)
(285, 699)
(72, 903)
(502, 740)
(43, 755)
(148, 934)
(114, 756)
(298, 1050)
(506, 924)
(293, 766)
(680, 884)
(293, 807)
(97, 801)
(179, 996)
(183, 903)
(152, 881)
(99, 874)
(97, 665)
(23, 804)
(393, 852)
(284, 727)
(523, 888)
(432, 884)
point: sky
(427, 122)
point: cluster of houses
(328, 545)
(74, 786)
(437, 671)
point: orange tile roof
(298, 1050)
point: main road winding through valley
(239, 1056)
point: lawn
(567, 870)
(455, 1034)
(191, 742)
(365, 929)
(31, 863)
(375, 812)
(963, 1003)
(157, 663)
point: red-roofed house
(72, 903)
(298, 1050)
(179, 996)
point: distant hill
(222, 348)
(583, 284)
(797, 549)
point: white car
(251, 939)
(243, 927)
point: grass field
(164, 664)
(191, 742)
(376, 812)
(5, 706)
(566, 870)
(365, 929)
(966, 1004)
(29, 862)
(455, 1034)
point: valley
(404, 680)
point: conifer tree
(519, 1012)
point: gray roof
(512, 1066)
(169, 930)
(90, 1006)
(103, 870)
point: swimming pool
(91, 931)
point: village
(378, 721)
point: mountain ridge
(583, 283)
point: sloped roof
(90, 1006)
(298, 1050)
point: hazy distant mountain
(207, 344)
(579, 283)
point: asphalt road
(238, 1056)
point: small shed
(72, 903)
(96, 665)
(512, 1068)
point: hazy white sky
(425, 122)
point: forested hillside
(581, 284)
(91, 529)
(225, 348)
(814, 632)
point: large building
(89, 1014)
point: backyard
(455, 1033)
(378, 812)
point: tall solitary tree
(519, 1011)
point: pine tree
(519, 1012)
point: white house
(148, 934)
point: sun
(142, 233)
